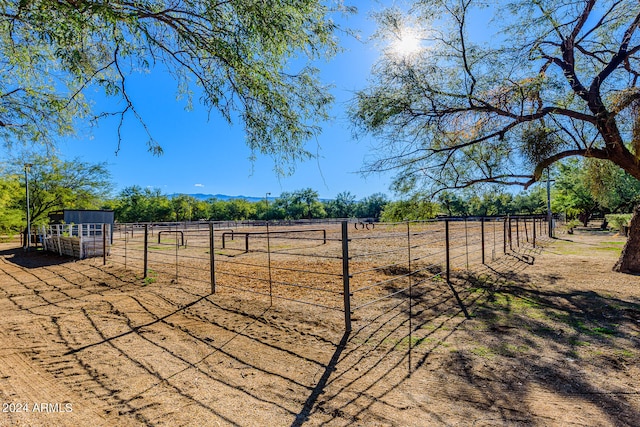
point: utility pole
(27, 167)
(549, 213)
(266, 212)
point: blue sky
(206, 155)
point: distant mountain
(225, 197)
(201, 196)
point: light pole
(27, 167)
(549, 213)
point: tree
(546, 80)
(184, 207)
(200, 210)
(453, 204)
(239, 209)
(233, 55)
(12, 216)
(216, 209)
(343, 206)
(414, 209)
(285, 207)
(488, 203)
(571, 193)
(309, 198)
(613, 188)
(135, 204)
(55, 184)
(532, 201)
(372, 206)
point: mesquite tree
(249, 60)
(496, 94)
(56, 184)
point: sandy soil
(552, 338)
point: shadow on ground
(33, 258)
(530, 352)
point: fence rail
(342, 267)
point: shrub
(619, 221)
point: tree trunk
(629, 261)
(584, 218)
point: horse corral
(543, 341)
(343, 267)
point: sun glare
(407, 43)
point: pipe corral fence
(349, 268)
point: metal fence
(347, 268)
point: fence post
(212, 259)
(504, 235)
(126, 237)
(466, 242)
(446, 252)
(534, 231)
(448, 272)
(482, 238)
(177, 247)
(410, 277)
(517, 232)
(60, 229)
(268, 262)
(345, 277)
(81, 252)
(146, 251)
(104, 244)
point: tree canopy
(500, 101)
(572, 195)
(12, 217)
(54, 184)
(244, 59)
(545, 80)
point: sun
(407, 43)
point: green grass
(512, 350)
(578, 343)
(483, 351)
(627, 354)
(152, 277)
(615, 249)
(569, 248)
(601, 330)
(582, 327)
(506, 302)
(162, 248)
(415, 341)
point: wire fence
(347, 268)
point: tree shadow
(521, 340)
(34, 258)
(132, 345)
(551, 339)
(139, 347)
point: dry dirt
(552, 338)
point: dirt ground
(552, 338)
